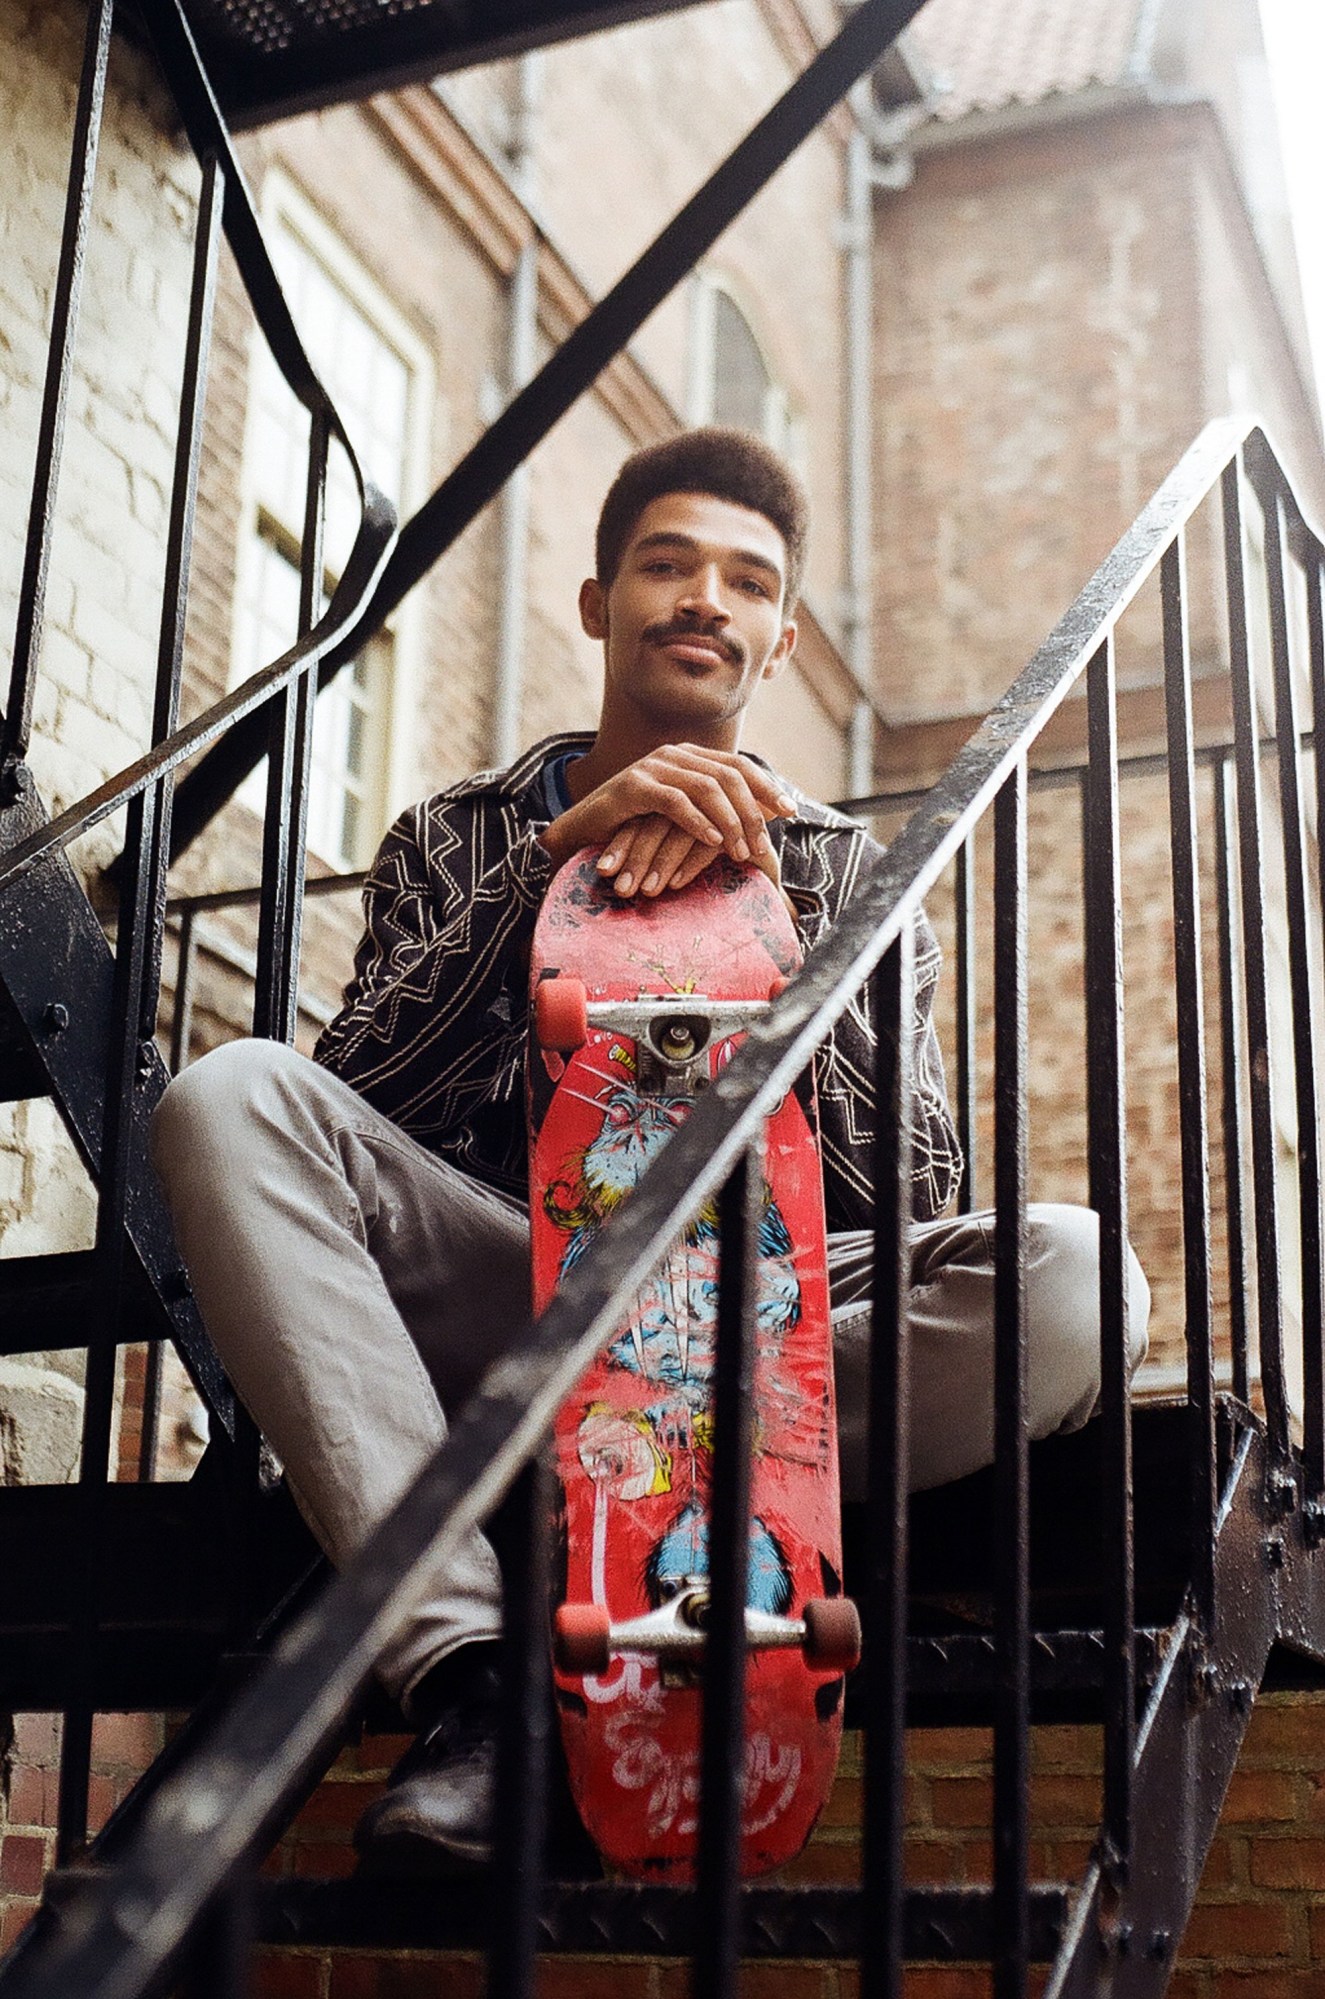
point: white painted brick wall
(93, 696)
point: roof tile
(995, 53)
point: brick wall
(108, 553)
(1257, 1930)
(122, 1747)
(1036, 317)
(102, 605)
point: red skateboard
(636, 1007)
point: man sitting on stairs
(354, 1226)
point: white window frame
(780, 427)
(285, 207)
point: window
(730, 379)
(377, 375)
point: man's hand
(663, 819)
(650, 855)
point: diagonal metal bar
(867, 32)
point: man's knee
(1063, 1309)
(223, 1097)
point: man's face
(693, 619)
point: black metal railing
(198, 1837)
(271, 712)
(132, 1079)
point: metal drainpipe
(521, 355)
(856, 632)
(865, 171)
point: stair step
(1066, 1659)
(180, 1571)
(583, 1917)
(21, 1074)
(50, 1302)
(951, 1675)
(45, 1301)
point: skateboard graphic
(636, 1006)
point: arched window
(730, 379)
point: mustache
(664, 634)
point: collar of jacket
(522, 783)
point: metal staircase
(1145, 1574)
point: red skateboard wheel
(580, 1638)
(832, 1633)
(778, 987)
(561, 1015)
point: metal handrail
(201, 1828)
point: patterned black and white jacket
(433, 1026)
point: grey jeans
(357, 1287)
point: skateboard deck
(637, 1006)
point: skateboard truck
(827, 1634)
(672, 1032)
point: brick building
(1081, 256)
(1069, 229)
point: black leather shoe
(438, 1806)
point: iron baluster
(1287, 736)
(1011, 1464)
(124, 1135)
(16, 724)
(1232, 1083)
(222, 1951)
(1107, 1104)
(181, 1011)
(1312, 562)
(722, 1735)
(170, 657)
(1269, 1298)
(179, 550)
(1194, 1136)
(289, 754)
(525, 1739)
(150, 1434)
(882, 1941)
(964, 894)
